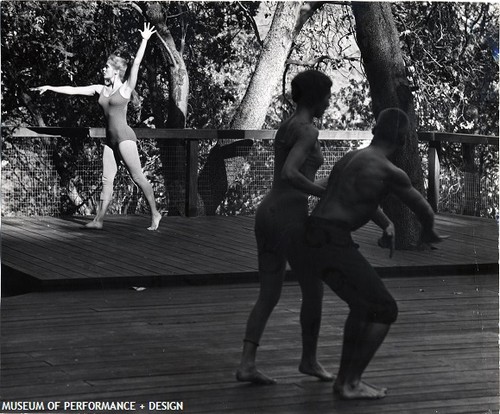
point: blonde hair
(119, 64)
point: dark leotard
(115, 113)
(284, 207)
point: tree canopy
(450, 51)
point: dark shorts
(277, 217)
(326, 249)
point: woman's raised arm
(134, 70)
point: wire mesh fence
(30, 182)
(473, 193)
(469, 193)
(55, 176)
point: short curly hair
(392, 126)
(310, 87)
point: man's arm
(400, 185)
(380, 219)
(322, 182)
(388, 239)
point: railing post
(472, 194)
(433, 173)
(191, 178)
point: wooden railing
(435, 140)
(194, 136)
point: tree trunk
(378, 41)
(173, 152)
(288, 19)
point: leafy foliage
(452, 61)
(451, 52)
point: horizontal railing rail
(186, 134)
(198, 134)
(434, 140)
(458, 138)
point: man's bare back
(358, 184)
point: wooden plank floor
(182, 343)
(55, 252)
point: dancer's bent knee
(385, 313)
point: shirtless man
(357, 185)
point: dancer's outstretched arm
(89, 90)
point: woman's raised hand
(148, 31)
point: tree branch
(26, 100)
(184, 28)
(252, 22)
(166, 48)
(312, 62)
(136, 7)
(306, 11)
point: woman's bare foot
(94, 225)
(155, 221)
(361, 391)
(254, 376)
(315, 370)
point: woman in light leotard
(297, 157)
(121, 142)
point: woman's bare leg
(130, 157)
(109, 169)
(271, 275)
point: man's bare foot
(94, 225)
(360, 391)
(315, 370)
(155, 221)
(254, 376)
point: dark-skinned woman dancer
(121, 141)
(297, 156)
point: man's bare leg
(359, 391)
(310, 321)
(361, 341)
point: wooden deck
(182, 343)
(179, 340)
(51, 253)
